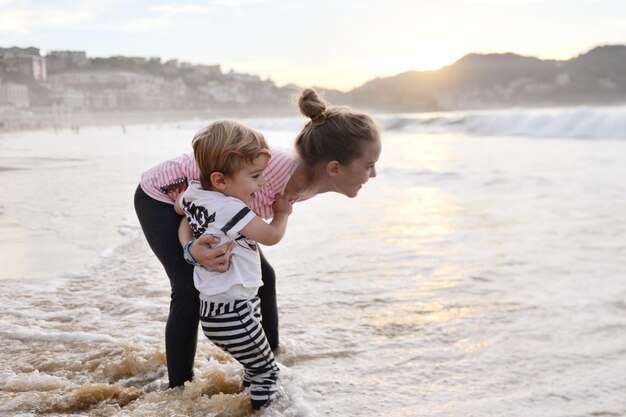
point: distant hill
(500, 80)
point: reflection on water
(12, 256)
(422, 213)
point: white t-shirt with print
(211, 212)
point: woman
(336, 152)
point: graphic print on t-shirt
(242, 241)
(246, 243)
(198, 217)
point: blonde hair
(224, 146)
(333, 134)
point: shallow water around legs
(478, 276)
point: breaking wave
(574, 122)
(579, 122)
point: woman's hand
(216, 259)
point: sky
(337, 44)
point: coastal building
(201, 74)
(138, 60)
(263, 91)
(122, 90)
(176, 93)
(59, 60)
(101, 78)
(15, 95)
(170, 67)
(24, 61)
(228, 92)
(76, 83)
(244, 78)
(208, 70)
(144, 95)
(103, 100)
(70, 99)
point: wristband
(190, 260)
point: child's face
(353, 176)
(248, 180)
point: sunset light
(264, 208)
(332, 44)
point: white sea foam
(106, 253)
(62, 315)
(29, 334)
(129, 232)
(33, 381)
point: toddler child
(231, 159)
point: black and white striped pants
(236, 327)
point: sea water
(481, 273)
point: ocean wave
(586, 122)
(129, 232)
(574, 122)
(578, 122)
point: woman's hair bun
(311, 105)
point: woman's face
(350, 178)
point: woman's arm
(216, 259)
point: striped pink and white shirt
(171, 174)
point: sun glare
(428, 59)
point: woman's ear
(332, 168)
(218, 180)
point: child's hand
(281, 205)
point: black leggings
(160, 224)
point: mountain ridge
(499, 80)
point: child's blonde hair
(333, 134)
(224, 146)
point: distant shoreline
(31, 122)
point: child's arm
(185, 234)
(178, 209)
(269, 234)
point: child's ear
(218, 180)
(332, 168)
